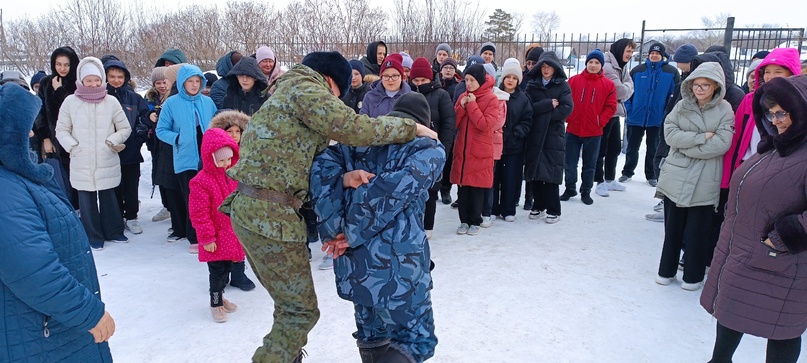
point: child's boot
(239, 279)
(217, 307)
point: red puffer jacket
(473, 147)
(594, 99)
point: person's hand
(471, 97)
(104, 329)
(116, 148)
(47, 146)
(356, 178)
(709, 135)
(210, 247)
(768, 243)
(56, 82)
(153, 117)
(463, 101)
(31, 134)
(555, 103)
(336, 247)
(424, 131)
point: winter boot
(371, 352)
(217, 307)
(395, 355)
(586, 198)
(568, 194)
(239, 279)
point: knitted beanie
(444, 47)
(421, 68)
(407, 60)
(358, 66)
(157, 74)
(685, 53)
(223, 153)
(264, 52)
(449, 62)
(658, 48)
(90, 69)
(596, 54)
(477, 71)
(512, 66)
(394, 61)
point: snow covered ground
(581, 290)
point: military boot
(372, 354)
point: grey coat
(622, 80)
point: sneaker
(455, 205)
(219, 314)
(586, 198)
(537, 214)
(615, 186)
(661, 280)
(463, 228)
(473, 230)
(691, 287)
(446, 199)
(659, 207)
(194, 248)
(552, 219)
(228, 306)
(170, 230)
(428, 234)
(528, 204)
(510, 218)
(162, 215)
(486, 222)
(568, 194)
(655, 217)
(121, 239)
(602, 190)
(172, 238)
(97, 246)
(327, 263)
(133, 226)
(624, 178)
(652, 182)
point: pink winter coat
(498, 132)
(208, 190)
(744, 122)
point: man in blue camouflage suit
(277, 149)
(371, 201)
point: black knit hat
(331, 64)
(535, 54)
(478, 72)
(414, 106)
(210, 78)
(657, 47)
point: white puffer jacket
(83, 129)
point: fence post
(728, 35)
(641, 42)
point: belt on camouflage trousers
(270, 196)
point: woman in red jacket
(594, 98)
(472, 170)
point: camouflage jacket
(280, 142)
(387, 264)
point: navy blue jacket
(219, 88)
(518, 123)
(136, 110)
(653, 88)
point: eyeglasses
(393, 77)
(702, 87)
(776, 116)
(530, 63)
(449, 68)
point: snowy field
(581, 290)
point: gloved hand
(116, 148)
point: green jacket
(281, 140)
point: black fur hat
(331, 64)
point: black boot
(586, 198)
(569, 193)
(372, 355)
(528, 196)
(446, 197)
(239, 278)
(394, 355)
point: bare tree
(544, 23)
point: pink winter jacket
(744, 122)
(498, 131)
(208, 190)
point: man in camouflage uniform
(277, 149)
(384, 270)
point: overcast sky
(581, 16)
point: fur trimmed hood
(229, 118)
(791, 94)
(18, 108)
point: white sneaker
(602, 190)
(327, 263)
(661, 280)
(537, 215)
(473, 230)
(655, 217)
(659, 207)
(691, 287)
(172, 238)
(615, 186)
(162, 215)
(194, 249)
(510, 218)
(486, 222)
(463, 228)
(428, 234)
(551, 219)
(133, 226)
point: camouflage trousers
(410, 329)
(283, 269)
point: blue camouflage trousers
(410, 329)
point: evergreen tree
(500, 27)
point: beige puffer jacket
(83, 129)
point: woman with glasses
(758, 283)
(384, 92)
(698, 130)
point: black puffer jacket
(136, 110)
(443, 117)
(518, 123)
(45, 124)
(355, 96)
(545, 153)
(236, 98)
(450, 86)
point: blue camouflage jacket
(387, 264)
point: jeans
(591, 149)
(610, 148)
(635, 135)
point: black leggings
(779, 351)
